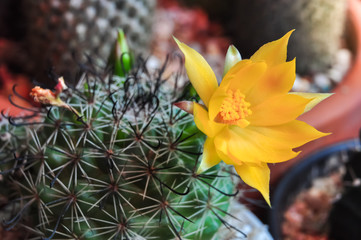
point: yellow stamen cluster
(234, 107)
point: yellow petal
(199, 72)
(210, 128)
(292, 134)
(216, 102)
(273, 53)
(209, 157)
(278, 110)
(221, 146)
(316, 98)
(244, 75)
(277, 80)
(243, 145)
(257, 177)
(231, 73)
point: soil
(307, 217)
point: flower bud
(186, 106)
(60, 87)
(46, 96)
(121, 57)
(232, 57)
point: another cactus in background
(112, 159)
(65, 29)
(320, 27)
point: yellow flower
(250, 119)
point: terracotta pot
(341, 113)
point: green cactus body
(124, 169)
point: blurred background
(41, 40)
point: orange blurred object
(23, 87)
(7, 82)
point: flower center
(234, 109)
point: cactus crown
(118, 163)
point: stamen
(234, 109)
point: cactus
(64, 30)
(319, 28)
(319, 24)
(112, 158)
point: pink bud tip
(61, 86)
(186, 106)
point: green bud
(121, 57)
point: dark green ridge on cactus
(123, 169)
